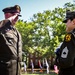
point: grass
(51, 73)
(39, 74)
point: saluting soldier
(10, 42)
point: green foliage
(45, 31)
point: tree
(45, 31)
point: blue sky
(30, 7)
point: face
(70, 25)
(8, 15)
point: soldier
(10, 42)
(66, 61)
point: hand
(13, 18)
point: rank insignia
(17, 7)
(68, 37)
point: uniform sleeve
(4, 24)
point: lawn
(51, 73)
(39, 74)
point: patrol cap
(13, 9)
(69, 15)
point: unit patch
(68, 37)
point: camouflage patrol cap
(13, 9)
(69, 15)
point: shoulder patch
(68, 37)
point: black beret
(69, 15)
(13, 9)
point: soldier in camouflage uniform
(68, 46)
(10, 42)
